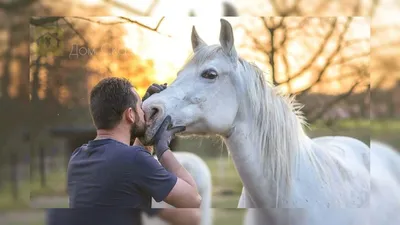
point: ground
(226, 182)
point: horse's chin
(190, 130)
(151, 131)
(195, 129)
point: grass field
(226, 183)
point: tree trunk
(5, 79)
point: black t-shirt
(97, 216)
(108, 173)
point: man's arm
(185, 190)
(163, 185)
(170, 163)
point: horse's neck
(248, 163)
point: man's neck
(113, 134)
(139, 143)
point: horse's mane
(279, 122)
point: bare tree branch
(125, 21)
(283, 41)
(343, 76)
(380, 81)
(317, 53)
(76, 32)
(336, 48)
(271, 54)
(350, 58)
(258, 45)
(355, 41)
(286, 64)
(43, 20)
(330, 58)
(143, 25)
(98, 21)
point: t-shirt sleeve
(152, 177)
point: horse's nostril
(154, 113)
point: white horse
(385, 184)
(202, 176)
(324, 180)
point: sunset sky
(169, 53)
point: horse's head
(203, 96)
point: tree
(327, 54)
(384, 40)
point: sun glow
(170, 46)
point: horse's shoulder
(342, 140)
(385, 156)
(345, 147)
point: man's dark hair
(109, 99)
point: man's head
(114, 103)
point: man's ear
(130, 115)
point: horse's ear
(226, 39)
(196, 40)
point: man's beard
(138, 129)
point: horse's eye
(209, 74)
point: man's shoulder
(131, 153)
(77, 150)
(133, 150)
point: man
(108, 172)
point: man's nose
(152, 110)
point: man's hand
(164, 135)
(154, 88)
